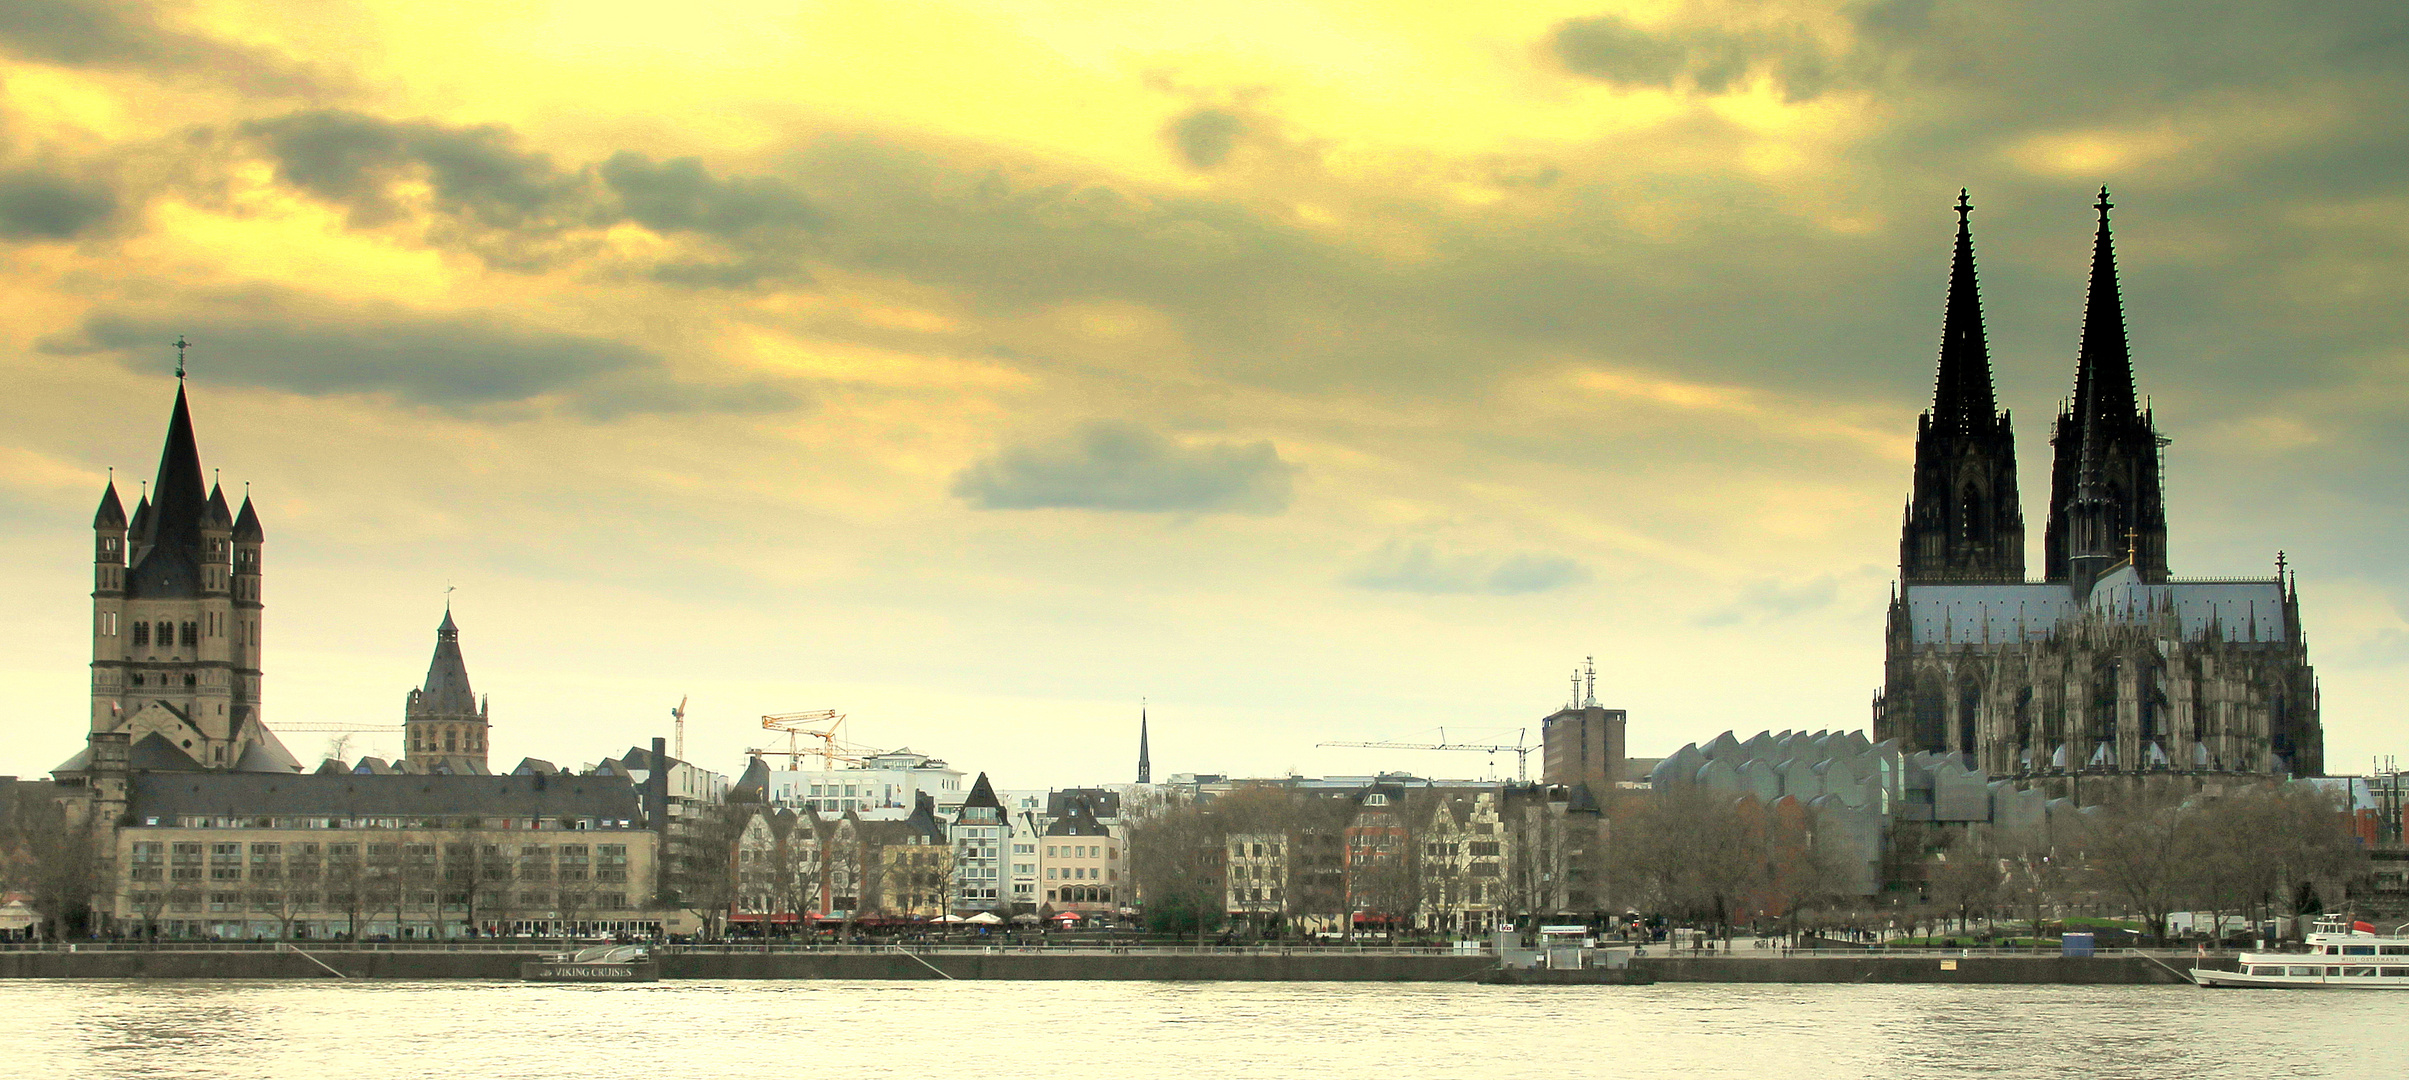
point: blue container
(2075, 945)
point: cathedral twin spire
(1964, 522)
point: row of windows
(1082, 851)
(494, 824)
(148, 851)
(1081, 873)
(2331, 972)
(454, 741)
(166, 634)
(285, 901)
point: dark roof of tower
(178, 498)
(1145, 759)
(982, 793)
(142, 516)
(246, 523)
(171, 524)
(754, 785)
(2103, 381)
(1962, 396)
(218, 516)
(447, 689)
(111, 514)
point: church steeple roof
(111, 514)
(447, 689)
(1962, 397)
(246, 523)
(2103, 381)
(1145, 763)
(218, 515)
(178, 497)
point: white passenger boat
(2341, 955)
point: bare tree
(2141, 848)
(52, 855)
(1176, 864)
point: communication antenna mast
(1590, 676)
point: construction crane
(679, 716)
(822, 725)
(1522, 753)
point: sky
(1303, 371)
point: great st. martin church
(2106, 664)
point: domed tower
(444, 725)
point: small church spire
(1145, 760)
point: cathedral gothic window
(142, 633)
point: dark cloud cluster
(518, 209)
(1709, 59)
(354, 159)
(1421, 566)
(1113, 465)
(128, 34)
(1205, 136)
(38, 205)
(461, 363)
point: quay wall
(364, 964)
(2125, 970)
(1046, 966)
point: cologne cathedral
(2106, 664)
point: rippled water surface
(1084, 1030)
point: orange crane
(823, 725)
(1521, 752)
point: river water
(1098, 1030)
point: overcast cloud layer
(1311, 373)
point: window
(142, 636)
(191, 634)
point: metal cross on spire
(1965, 205)
(2104, 205)
(180, 345)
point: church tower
(1145, 760)
(176, 616)
(2105, 502)
(1964, 522)
(443, 724)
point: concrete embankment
(2125, 970)
(379, 964)
(1064, 965)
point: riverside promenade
(1147, 963)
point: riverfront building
(238, 855)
